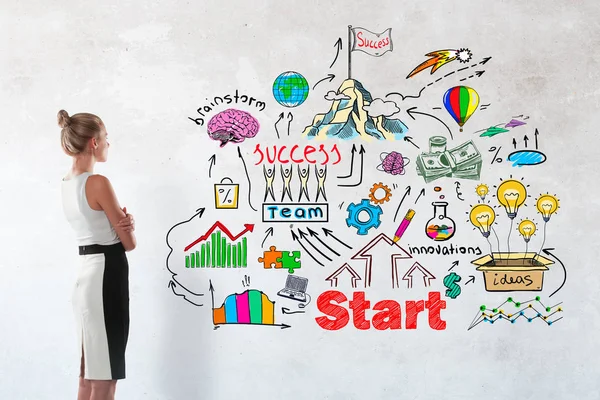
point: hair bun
(63, 119)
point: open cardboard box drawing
(507, 272)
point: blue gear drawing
(374, 216)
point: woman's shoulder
(98, 181)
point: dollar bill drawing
(463, 161)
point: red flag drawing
(374, 44)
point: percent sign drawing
(496, 158)
(226, 199)
(226, 194)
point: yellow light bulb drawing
(547, 205)
(511, 194)
(482, 216)
(527, 229)
(481, 190)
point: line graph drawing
(223, 228)
(527, 311)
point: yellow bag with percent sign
(226, 194)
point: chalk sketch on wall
(295, 289)
(440, 227)
(353, 181)
(382, 247)
(451, 282)
(299, 163)
(354, 112)
(217, 101)
(461, 102)
(193, 297)
(512, 270)
(226, 194)
(380, 193)
(343, 271)
(368, 122)
(372, 216)
(278, 259)
(516, 311)
(463, 161)
(393, 163)
(249, 308)
(215, 251)
(438, 58)
(290, 89)
(389, 315)
(233, 126)
(287, 119)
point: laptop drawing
(295, 288)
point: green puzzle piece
(290, 260)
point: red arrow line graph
(218, 224)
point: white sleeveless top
(90, 226)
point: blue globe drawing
(290, 89)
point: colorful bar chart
(219, 253)
(249, 307)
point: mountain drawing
(347, 119)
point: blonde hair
(77, 131)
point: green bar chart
(218, 252)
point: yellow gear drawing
(381, 200)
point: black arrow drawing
(411, 111)
(290, 117)
(304, 236)
(407, 139)
(329, 232)
(525, 139)
(269, 232)
(316, 236)
(297, 239)
(454, 264)
(547, 252)
(351, 163)
(477, 73)
(329, 76)
(406, 193)
(212, 296)
(458, 192)
(471, 279)
(536, 138)
(173, 282)
(213, 161)
(362, 165)
(285, 310)
(483, 62)
(276, 122)
(515, 143)
(211, 289)
(338, 46)
(421, 193)
(247, 177)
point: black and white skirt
(101, 307)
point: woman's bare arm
(104, 194)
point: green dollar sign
(453, 288)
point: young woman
(104, 232)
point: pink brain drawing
(232, 125)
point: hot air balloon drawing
(461, 102)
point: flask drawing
(440, 227)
